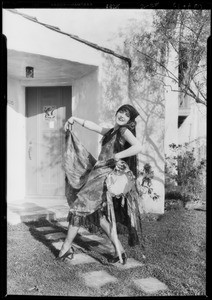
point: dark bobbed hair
(132, 111)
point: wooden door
(47, 109)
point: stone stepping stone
(36, 215)
(131, 263)
(63, 223)
(84, 231)
(95, 238)
(97, 279)
(13, 218)
(150, 285)
(61, 206)
(81, 258)
(103, 246)
(57, 245)
(60, 212)
(81, 229)
(106, 248)
(47, 228)
(55, 236)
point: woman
(118, 144)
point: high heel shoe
(66, 254)
(114, 260)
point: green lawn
(175, 251)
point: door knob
(29, 150)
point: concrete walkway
(56, 235)
(97, 279)
(33, 210)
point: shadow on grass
(87, 245)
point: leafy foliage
(147, 175)
(121, 84)
(186, 172)
(185, 31)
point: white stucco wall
(16, 143)
(194, 125)
(171, 119)
(171, 105)
(193, 130)
(95, 96)
(150, 131)
(85, 104)
(117, 89)
(27, 36)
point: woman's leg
(105, 225)
(72, 232)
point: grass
(175, 249)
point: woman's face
(122, 117)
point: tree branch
(198, 73)
(155, 147)
(191, 94)
(193, 50)
(140, 108)
(175, 78)
(199, 90)
(168, 38)
(166, 76)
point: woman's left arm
(135, 148)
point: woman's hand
(120, 164)
(116, 157)
(69, 122)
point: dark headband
(133, 112)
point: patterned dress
(86, 185)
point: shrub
(146, 176)
(174, 195)
(185, 172)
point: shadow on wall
(85, 105)
(55, 147)
(50, 164)
(16, 96)
(146, 96)
(121, 85)
(50, 144)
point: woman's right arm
(87, 124)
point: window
(181, 119)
